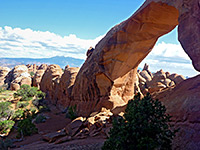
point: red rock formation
(119, 53)
(18, 76)
(32, 68)
(183, 104)
(50, 81)
(189, 29)
(65, 86)
(38, 75)
(3, 72)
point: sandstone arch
(108, 76)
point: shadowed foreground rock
(183, 104)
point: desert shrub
(18, 114)
(32, 74)
(26, 127)
(5, 144)
(33, 110)
(5, 111)
(71, 112)
(27, 93)
(41, 95)
(3, 88)
(145, 125)
(40, 119)
(6, 125)
(38, 102)
(22, 104)
(44, 108)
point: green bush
(27, 93)
(6, 125)
(41, 95)
(18, 114)
(32, 74)
(26, 127)
(71, 112)
(145, 126)
(5, 111)
(22, 104)
(3, 88)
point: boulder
(14, 86)
(146, 75)
(159, 75)
(74, 126)
(176, 78)
(52, 137)
(63, 139)
(32, 68)
(155, 87)
(89, 52)
(18, 76)
(146, 67)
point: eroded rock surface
(3, 73)
(183, 104)
(65, 86)
(38, 75)
(118, 54)
(49, 82)
(18, 76)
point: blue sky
(85, 18)
(47, 28)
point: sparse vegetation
(26, 127)
(3, 88)
(18, 114)
(71, 112)
(145, 125)
(23, 110)
(32, 73)
(27, 93)
(6, 126)
(5, 111)
(22, 104)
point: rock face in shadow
(182, 102)
(65, 86)
(49, 82)
(38, 75)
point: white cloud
(171, 58)
(21, 43)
